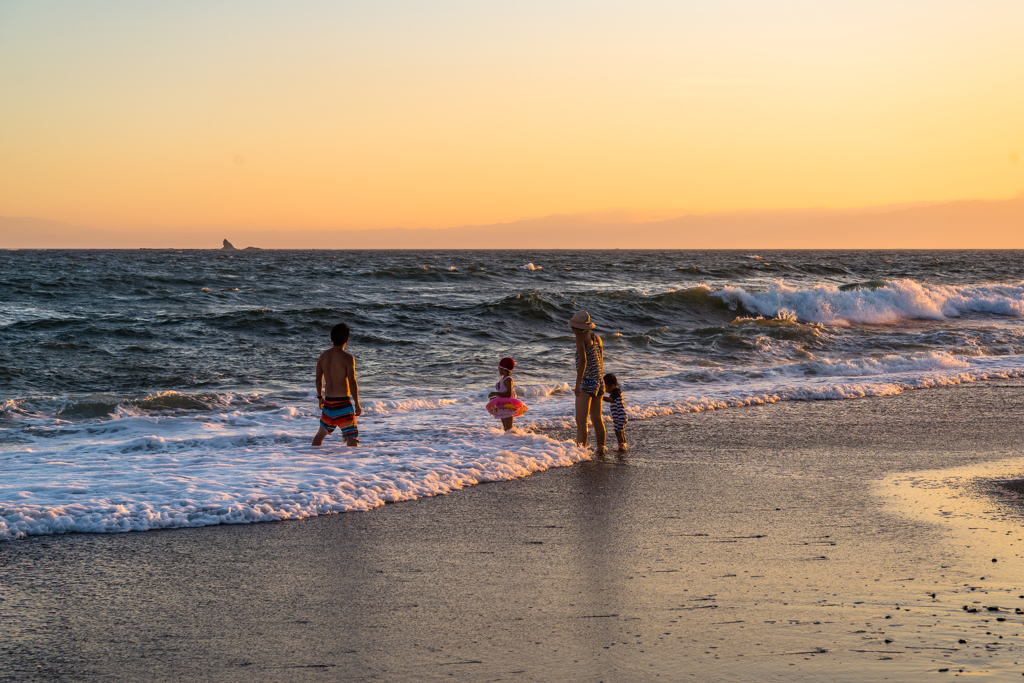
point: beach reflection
(603, 555)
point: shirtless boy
(339, 394)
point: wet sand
(797, 541)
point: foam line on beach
(172, 460)
(163, 482)
(877, 378)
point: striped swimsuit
(339, 412)
(617, 409)
(593, 374)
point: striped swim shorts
(339, 412)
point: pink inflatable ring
(502, 408)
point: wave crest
(898, 300)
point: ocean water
(154, 389)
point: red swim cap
(507, 364)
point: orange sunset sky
(313, 115)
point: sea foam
(158, 473)
(899, 300)
(165, 461)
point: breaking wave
(897, 301)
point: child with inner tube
(503, 404)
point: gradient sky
(318, 114)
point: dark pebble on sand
(962, 641)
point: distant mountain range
(969, 224)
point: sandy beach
(797, 541)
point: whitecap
(899, 300)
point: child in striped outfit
(617, 409)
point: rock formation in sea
(228, 246)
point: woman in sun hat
(589, 379)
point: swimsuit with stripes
(339, 412)
(593, 373)
(617, 409)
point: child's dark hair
(339, 334)
(610, 380)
